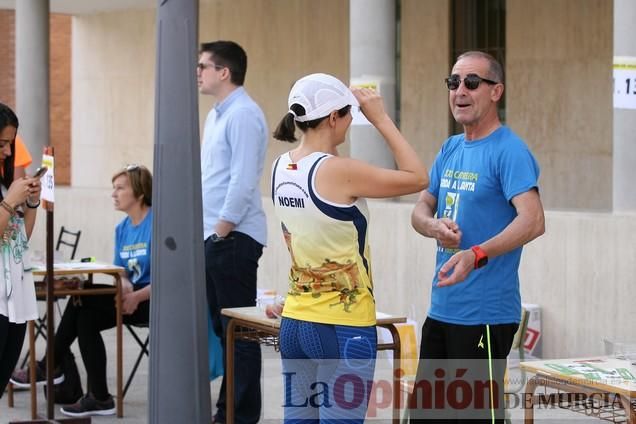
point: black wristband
(32, 206)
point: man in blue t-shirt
(482, 206)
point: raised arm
(355, 178)
(17, 194)
(30, 212)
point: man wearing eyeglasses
(482, 206)
(232, 156)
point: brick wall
(60, 85)
(7, 58)
(60, 89)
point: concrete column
(372, 26)
(32, 74)
(624, 171)
(179, 388)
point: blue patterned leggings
(327, 371)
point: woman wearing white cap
(328, 336)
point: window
(478, 25)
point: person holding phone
(19, 199)
(39, 173)
(328, 320)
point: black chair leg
(144, 351)
(40, 330)
(142, 344)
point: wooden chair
(70, 239)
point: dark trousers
(230, 270)
(11, 339)
(460, 377)
(84, 318)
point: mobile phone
(40, 171)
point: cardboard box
(533, 344)
(409, 345)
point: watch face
(216, 238)
(481, 262)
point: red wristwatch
(481, 258)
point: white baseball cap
(319, 94)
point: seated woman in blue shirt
(86, 317)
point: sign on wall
(624, 82)
(48, 180)
(365, 82)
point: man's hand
(444, 230)
(447, 233)
(223, 228)
(461, 264)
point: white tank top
(330, 277)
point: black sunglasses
(203, 66)
(471, 81)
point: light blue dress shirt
(232, 156)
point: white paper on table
(77, 265)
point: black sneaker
(22, 378)
(88, 405)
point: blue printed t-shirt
(132, 248)
(474, 183)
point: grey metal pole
(179, 389)
(32, 73)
